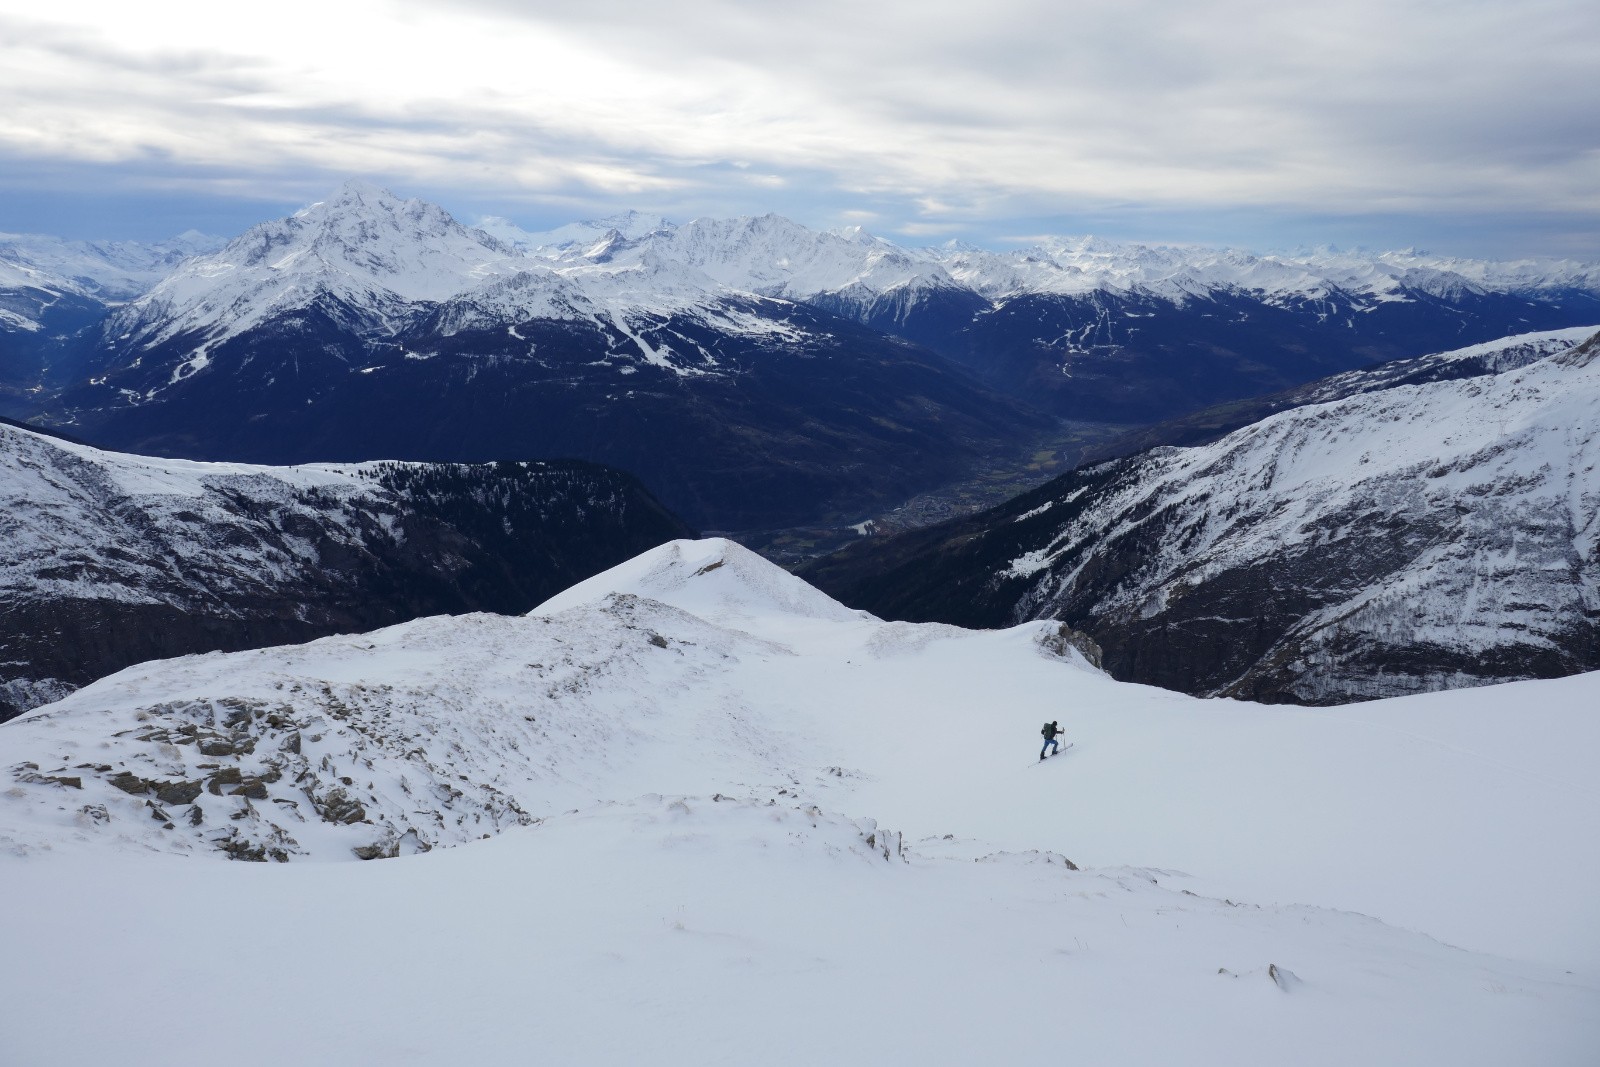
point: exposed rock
(223, 776)
(1064, 638)
(338, 806)
(378, 850)
(182, 792)
(129, 782)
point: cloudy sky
(1464, 126)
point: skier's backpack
(1044, 731)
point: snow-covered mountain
(364, 251)
(627, 225)
(368, 327)
(107, 270)
(1427, 525)
(113, 559)
(724, 826)
(1127, 332)
(775, 256)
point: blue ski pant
(1051, 743)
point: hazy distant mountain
(1122, 332)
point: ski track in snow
(731, 821)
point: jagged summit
(630, 225)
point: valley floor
(1002, 478)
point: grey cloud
(1010, 110)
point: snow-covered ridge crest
(774, 256)
(714, 578)
(441, 731)
(668, 798)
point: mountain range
(751, 371)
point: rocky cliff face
(114, 559)
(1392, 538)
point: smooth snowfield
(772, 830)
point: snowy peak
(773, 256)
(363, 246)
(413, 248)
(717, 579)
(629, 225)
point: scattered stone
(253, 788)
(378, 850)
(181, 792)
(225, 776)
(338, 806)
(129, 782)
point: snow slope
(732, 821)
(1474, 504)
(1427, 524)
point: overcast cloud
(1473, 125)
